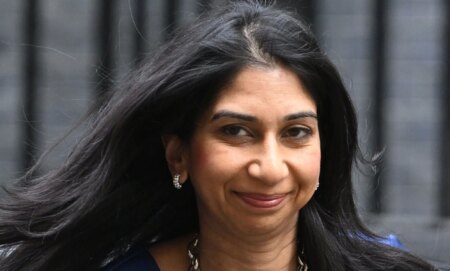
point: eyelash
(300, 130)
(228, 130)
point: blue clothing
(140, 259)
(393, 241)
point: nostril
(268, 172)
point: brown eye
(235, 130)
(297, 132)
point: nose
(269, 165)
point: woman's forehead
(269, 86)
(270, 94)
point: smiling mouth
(262, 200)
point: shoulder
(138, 259)
(172, 254)
(168, 255)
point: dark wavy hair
(114, 191)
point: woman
(209, 158)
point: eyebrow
(233, 115)
(301, 115)
(245, 117)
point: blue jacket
(140, 259)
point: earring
(317, 186)
(176, 181)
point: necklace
(193, 254)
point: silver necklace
(193, 254)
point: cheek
(315, 164)
(205, 160)
(212, 164)
(199, 161)
(308, 166)
(200, 156)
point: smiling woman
(273, 157)
(208, 158)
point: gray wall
(412, 114)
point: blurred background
(58, 56)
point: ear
(176, 156)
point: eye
(297, 132)
(235, 130)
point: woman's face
(254, 159)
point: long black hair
(114, 191)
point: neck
(222, 250)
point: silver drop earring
(176, 181)
(317, 186)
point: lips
(262, 200)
